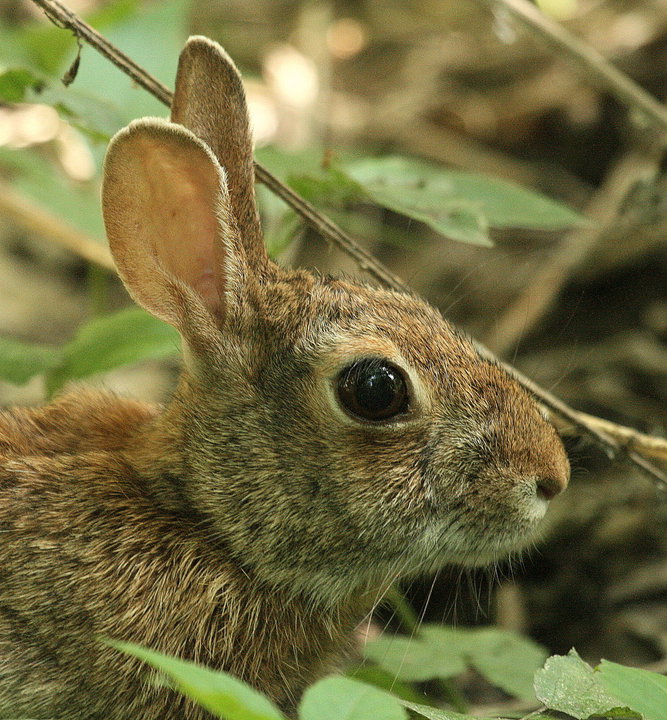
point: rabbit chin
(474, 549)
(474, 545)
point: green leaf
(38, 46)
(99, 118)
(507, 660)
(77, 204)
(108, 342)
(460, 205)
(380, 678)
(153, 36)
(643, 691)
(568, 684)
(340, 698)
(102, 98)
(283, 164)
(223, 695)
(282, 232)
(436, 713)
(43, 46)
(42, 53)
(414, 659)
(617, 714)
(15, 84)
(331, 186)
(20, 361)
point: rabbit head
(330, 435)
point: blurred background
(581, 310)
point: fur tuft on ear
(169, 222)
(210, 101)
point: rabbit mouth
(476, 549)
(474, 538)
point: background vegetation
(371, 109)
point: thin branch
(66, 18)
(329, 230)
(63, 17)
(646, 445)
(600, 71)
(31, 217)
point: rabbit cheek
(480, 511)
(386, 490)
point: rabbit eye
(373, 389)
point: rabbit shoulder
(90, 550)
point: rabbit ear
(210, 101)
(168, 219)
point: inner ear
(183, 219)
(169, 222)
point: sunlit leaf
(459, 204)
(414, 659)
(15, 84)
(44, 46)
(643, 691)
(108, 342)
(340, 698)
(568, 684)
(334, 187)
(21, 361)
(620, 713)
(41, 179)
(97, 117)
(436, 713)
(222, 694)
(282, 232)
(385, 680)
(507, 660)
(153, 36)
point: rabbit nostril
(549, 486)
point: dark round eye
(373, 389)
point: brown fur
(251, 523)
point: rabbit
(325, 438)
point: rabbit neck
(202, 463)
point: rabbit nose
(548, 486)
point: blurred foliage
(461, 206)
(458, 205)
(506, 660)
(565, 684)
(104, 343)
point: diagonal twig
(63, 17)
(604, 209)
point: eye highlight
(373, 389)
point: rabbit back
(87, 553)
